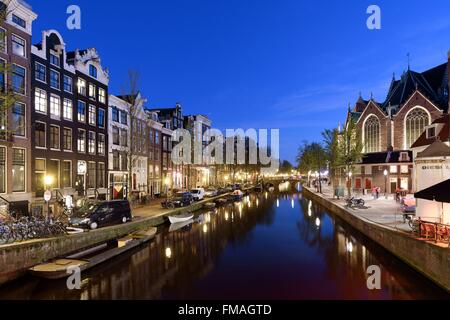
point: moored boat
(63, 267)
(181, 218)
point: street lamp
(167, 184)
(350, 175)
(48, 181)
(385, 182)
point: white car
(198, 194)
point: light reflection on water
(268, 246)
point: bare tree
(133, 148)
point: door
(80, 184)
(393, 185)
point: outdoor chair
(428, 231)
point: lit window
(92, 91)
(393, 169)
(101, 144)
(404, 169)
(416, 121)
(55, 106)
(81, 141)
(81, 86)
(91, 142)
(18, 170)
(102, 95)
(40, 100)
(92, 115)
(372, 134)
(68, 109)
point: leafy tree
(350, 148)
(331, 147)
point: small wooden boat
(181, 218)
(62, 268)
(180, 225)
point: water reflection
(268, 246)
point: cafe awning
(439, 192)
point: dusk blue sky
(288, 64)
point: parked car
(198, 194)
(102, 214)
(211, 192)
(182, 199)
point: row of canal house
(67, 133)
(389, 129)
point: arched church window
(416, 121)
(372, 135)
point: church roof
(429, 83)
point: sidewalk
(153, 209)
(382, 211)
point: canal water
(268, 246)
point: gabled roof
(436, 149)
(443, 135)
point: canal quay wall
(17, 258)
(429, 259)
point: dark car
(180, 199)
(102, 214)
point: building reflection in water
(262, 247)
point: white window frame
(54, 115)
(24, 46)
(78, 141)
(65, 109)
(45, 67)
(40, 98)
(45, 137)
(59, 137)
(94, 115)
(50, 79)
(71, 136)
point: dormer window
(431, 132)
(93, 71)
(19, 21)
(54, 60)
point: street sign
(47, 195)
